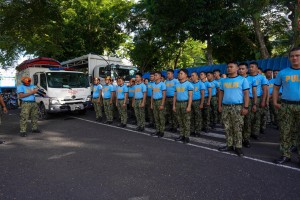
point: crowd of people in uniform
(240, 100)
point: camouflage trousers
(170, 114)
(289, 115)
(29, 109)
(149, 111)
(196, 117)
(183, 117)
(247, 124)
(159, 116)
(108, 109)
(122, 111)
(214, 110)
(97, 108)
(205, 115)
(273, 113)
(130, 109)
(139, 113)
(264, 118)
(256, 118)
(233, 122)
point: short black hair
(294, 49)
(184, 71)
(276, 70)
(260, 69)
(217, 70)
(254, 63)
(170, 70)
(152, 73)
(158, 72)
(139, 74)
(120, 78)
(194, 73)
(232, 62)
(243, 63)
(267, 70)
(210, 72)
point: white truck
(65, 90)
(97, 66)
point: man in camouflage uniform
(214, 100)
(121, 101)
(234, 104)
(289, 109)
(158, 100)
(108, 93)
(29, 107)
(208, 95)
(96, 99)
(149, 112)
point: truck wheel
(43, 115)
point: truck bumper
(57, 108)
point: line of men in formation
(197, 103)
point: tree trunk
(209, 52)
(264, 53)
(296, 31)
(177, 57)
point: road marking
(195, 145)
(61, 155)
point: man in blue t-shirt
(262, 94)
(289, 109)
(234, 104)
(182, 105)
(96, 99)
(158, 100)
(108, 93)
(121, 101)
(170, 114)
(149, 111)
(207, 101)
(217, 76)
(197, 105)
(243, 69)
(139, 101)
(130, 97)
(271, 80)
(29, 107)
(215, 88)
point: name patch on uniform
(293, 78)
(231, 85)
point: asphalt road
(78, 158)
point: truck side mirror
(108, 68)
(35, 79)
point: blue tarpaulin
(277, 63)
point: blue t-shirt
(234, 89)
(207, 85)
(158, 89)
(289, 80)
(252, 83)
(121, 90)
(182, 90)
(198, 86)
(96, 91)
(25, 90)
(107, 90)
(130, 91)
(271, 85)
(214, 85)
(171, 87)
(139, 90)
(149, 88)
(219, 81)
(260, 82)
(0, 91)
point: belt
(182, 101)
(139, 99)
(290, 102)
(213, 96)
(196, 100)
(28, 101)
(120, 99)
(157, 99)
(238, 104)
(106, 98)
(170, 97)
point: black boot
(225, 149)
(180, 138)
(282, 159)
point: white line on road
(195, 145)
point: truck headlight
(88, 98)
(54, 101)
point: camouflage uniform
(183, 117)
(130, 109)
(108, 109)
(196, 117)
(122, 111)
(247, 123)
(170, 114)
(139, 113)
(159, 116)
(264, 118)
(206, 115)
(256, 118)
(149, 110)
(214, 110)
(273, 113)
(289, 114)
(97, 108)
(233, 122)
(28, 109)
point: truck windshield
(67, 80)
(127, 74)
